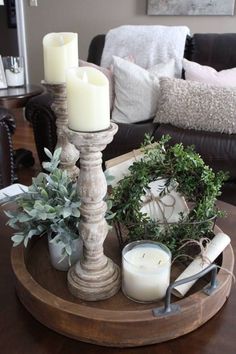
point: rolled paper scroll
(213, 250)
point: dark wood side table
(17, 97)
(20, 333)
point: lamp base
(94, 285)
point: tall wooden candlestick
(95, 277)
(69, 154)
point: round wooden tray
(118, 321)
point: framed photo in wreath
(3, 82)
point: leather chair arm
(39, 113)
(7, 118)
(7, 126)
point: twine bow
(150, 197)
(203, 244)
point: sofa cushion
(193, 105)
(217, 150)
(137, 89)
(128, 138)
(217, 50)
(203, 73)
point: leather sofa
(218, 150)
(7, 127)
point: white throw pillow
(137, 90)
(208, 75)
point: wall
(8, 36)
(90, 17)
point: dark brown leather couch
(218, 150)
(7, 127)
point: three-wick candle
(145, 270)
(60, 51)
(87, 99)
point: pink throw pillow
(109, 75)
(208, 75)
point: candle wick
(159, 261)
(144, 255)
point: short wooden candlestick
(95, 277)
(69, 154)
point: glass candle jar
(145, 270)
(14, 71)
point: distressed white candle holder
(95, 277)
(69, 154)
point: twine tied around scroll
(203, 244)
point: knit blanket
(148, 45)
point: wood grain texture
(95, 277)
(69, 154)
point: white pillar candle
(60, 51)
(214, 249)
(146, 270)
(87, 99)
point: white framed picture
(3, 82)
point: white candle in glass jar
(15, 79)
(87, 99)
(146, 270)
(60, 51)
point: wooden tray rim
(50, 299)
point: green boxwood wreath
(195, 181)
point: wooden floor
(24, 138)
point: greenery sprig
(49, 207)
(180, 166)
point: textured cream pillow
(207, 74)
(193, 105)
(137, 89)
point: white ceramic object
(55, 251)
(163, 208)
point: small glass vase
(14, 71)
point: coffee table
(20, 333)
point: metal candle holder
(95, 277)
(69, 154)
